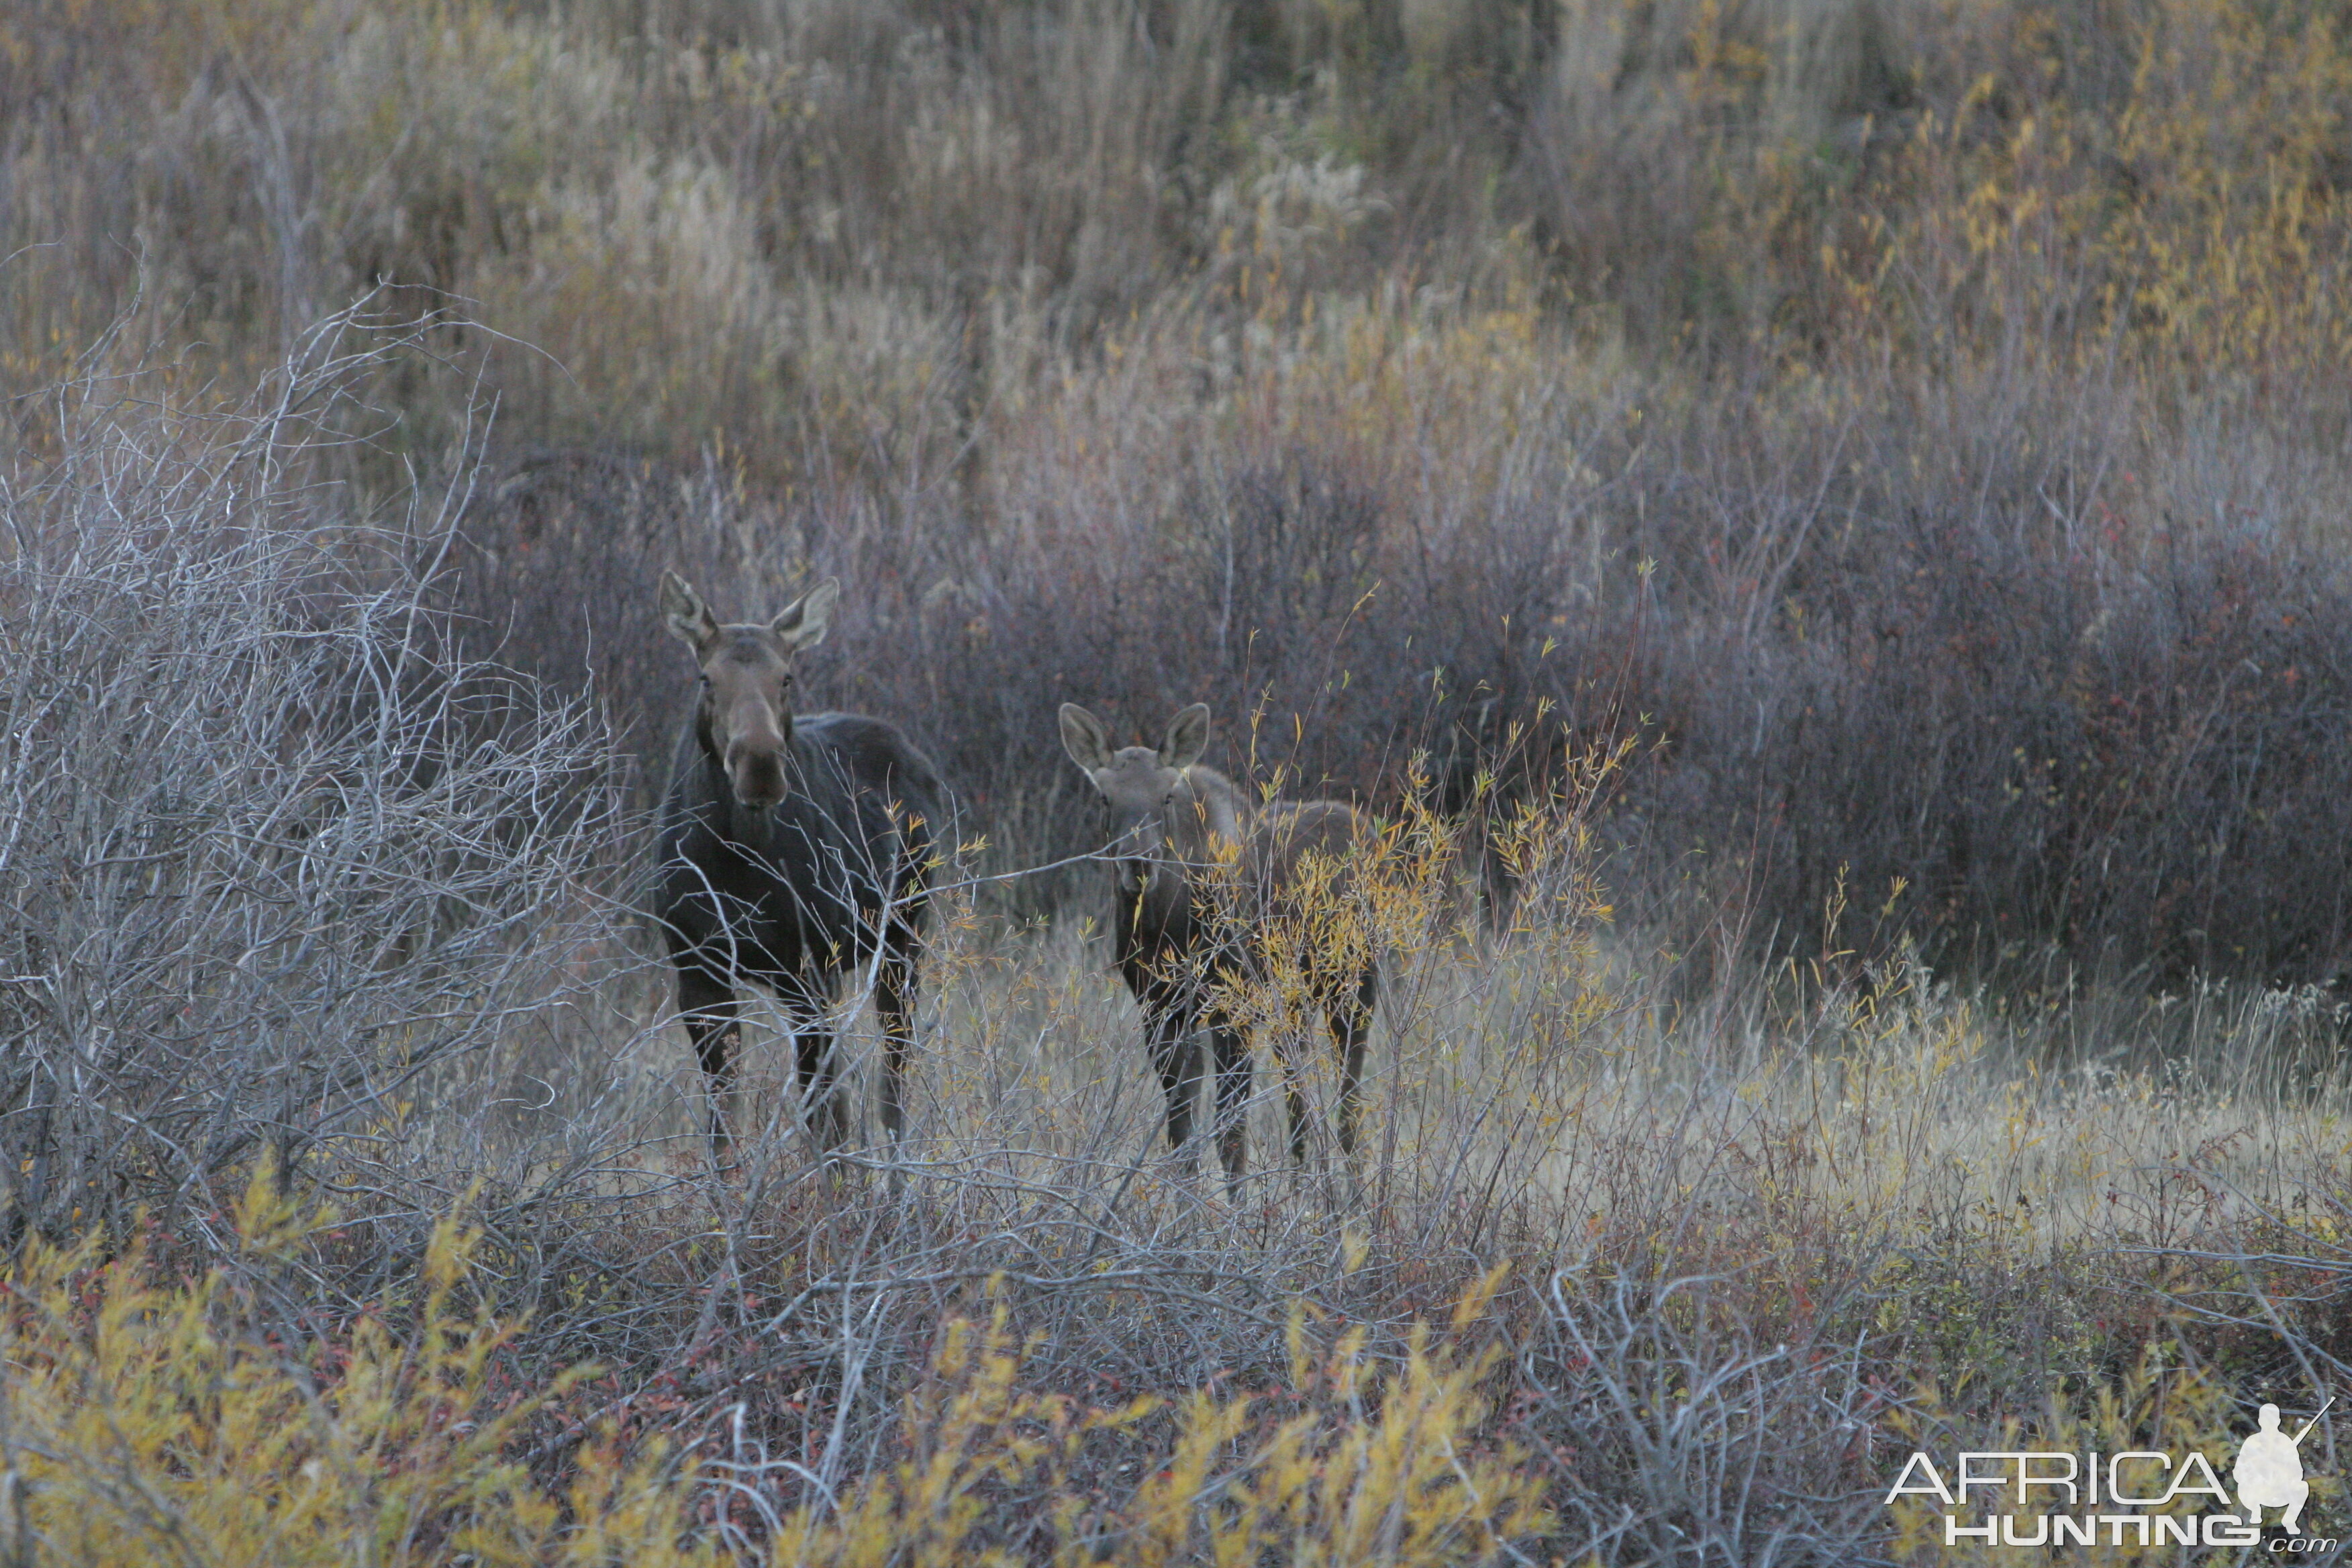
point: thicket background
(1921, 422)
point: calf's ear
(1085, 737)
(683, 612)
(1188, 736)
(804, 620)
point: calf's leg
(1294, 1094)
(1233, 1069)
(1351, 1026)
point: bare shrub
(274, 856)
(1679, 1432)
(557, 559)
(2048, 724)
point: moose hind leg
(1294, 1099)
(1234, 1070)
(706, 1001)
(828, 1103)
(1499, 884)
(1351, 1026)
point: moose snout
(757, 776)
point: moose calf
(1222, 903)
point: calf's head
(745, 720)
(1139, 782)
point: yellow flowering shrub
(148, 1420)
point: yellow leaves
(1393, 377)
(269, 1221)
(1403, 1486)
(2196, 201)
(151, 1421)
(1165, 1504)
(1373, 1467)
(969, 1429)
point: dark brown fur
(792, 853)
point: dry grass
(1878, 1217)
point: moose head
(1141, 784)
(745, 723)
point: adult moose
(793, 850)
(1225, 906)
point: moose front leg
(1177, 1059)
(825, 1101)
(817, 1059)
(706, 1001)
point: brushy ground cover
(1843, 496)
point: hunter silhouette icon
(2269, 1471)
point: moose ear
(804, 620)
(1188, 736)
(1085, 738)
(683, 612)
